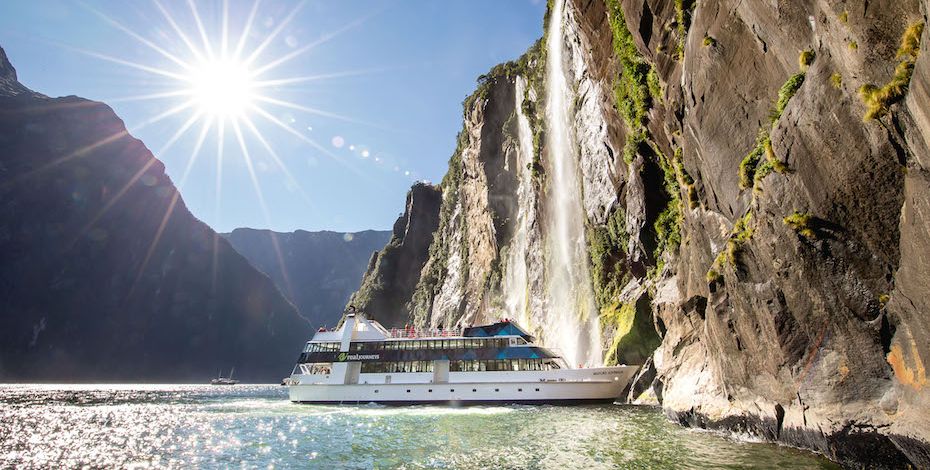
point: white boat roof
(364, 329)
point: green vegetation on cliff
(531, 66)
(607, 246)
(800, 222)
(436, 267)
(632, 91)
(761, 160)
(636, 89)
(879, 99)
(667, 226)
(683, 11)
(634, 335)
(740, 235)
(788, 91)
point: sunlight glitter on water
(170, 426)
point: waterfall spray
(571, 321)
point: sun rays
(225, 76)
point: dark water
(162, 426)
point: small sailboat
(220, 380)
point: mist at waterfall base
(172, 426)
(567, 319)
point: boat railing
(424, 332)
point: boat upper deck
(370, 330)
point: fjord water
(184, 426)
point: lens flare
(222, 87)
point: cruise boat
(220, 380)
(362, 362)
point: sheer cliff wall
(755, 185)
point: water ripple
(171, 426)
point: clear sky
(356, 99)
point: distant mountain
(104, 273)
(317, 271)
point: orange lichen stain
(916, 377)
(843, 369)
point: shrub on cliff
(879, 99)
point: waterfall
(516, 282)
(571, 323)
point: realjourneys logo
(342, 357)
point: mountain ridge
(316, 270)
(105, 274)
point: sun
(222, 88)
(226, 82)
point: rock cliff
(104, 273)
(392, 272)
(754, 184)
(316, 271)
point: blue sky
(390, 119)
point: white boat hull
(601, 385)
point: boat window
(318, 369)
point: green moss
(741, 234)
(709, 41)
(750, 163)
(787, 92)
(655, 86)
(853, 45)
(910, 41)
(843, 16)
(800, 222)
(607, 247)
(761, 160)
(683, 10)
(635, 337)
(806, 59)
(667, 225)
(631, 90)
(878, 100)
(771, 163)
(633, 141)
(685, 180)
(693, 201)
(883, 299)
(668, 230)
(837, 80)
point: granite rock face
(104, 273)
(316, 271)
(755, 180)
(789, 320)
